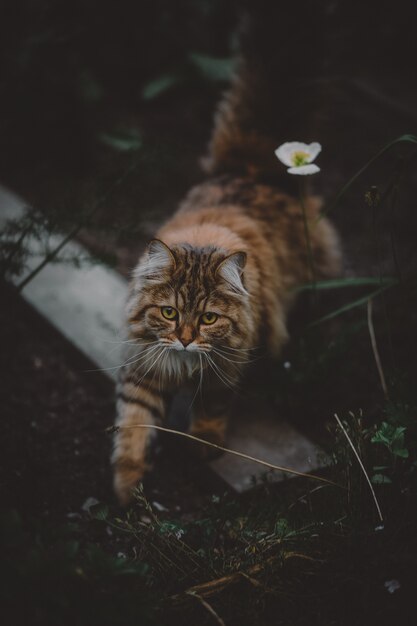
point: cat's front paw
(127, 475)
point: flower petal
(313, 150)
(304, 170)
(285, 152)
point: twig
(375, 349)
(378, 508)
(114, 429)
(217, 585)
(207, 606)
(211, 587)
(54, 253)
(18, 243)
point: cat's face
(192, 302)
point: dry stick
(73, 233)
(378, 508)
(212, 587)
(207, 606)
(217, 585)
(114, 429)
(375, 349)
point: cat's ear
(157, 260)
(231, 270)
(160, 254)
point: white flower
(298, 156)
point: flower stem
(307, 237)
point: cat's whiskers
(222, 376)
(127, 363)
(239, 349)
(136, 342)
(235, 362)
(230, 357)
(147, 358)
(162, 352)
(143, 354)
(162, 368)
(200, 383)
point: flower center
(300, 158)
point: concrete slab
(262, 434)
(86, 305)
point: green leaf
(282, 528)
(401, 452)
(347, 282)
(393, 437)
(99, 511)
(214, 69)
(160, 85)
(123, 141)
(380, 479)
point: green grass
(301, 549)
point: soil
(54, 446)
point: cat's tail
(273, 97)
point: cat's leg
(137, 404)
(210, 420)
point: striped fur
(236, 247)
(221, 225)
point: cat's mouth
(190, 348)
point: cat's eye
(169, 312)
(208, 318)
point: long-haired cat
(218, 280)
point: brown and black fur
(236, 247)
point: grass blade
(351, 305)
(339, 283)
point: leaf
(160, 85)
(393, 437)
(282, 528)
(99, 511)
(214, 69)
(122, 141)
(347, 282)
(380, 479)
(401, 452)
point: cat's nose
(186, 335)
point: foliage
(59, 575)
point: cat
(216, 284)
